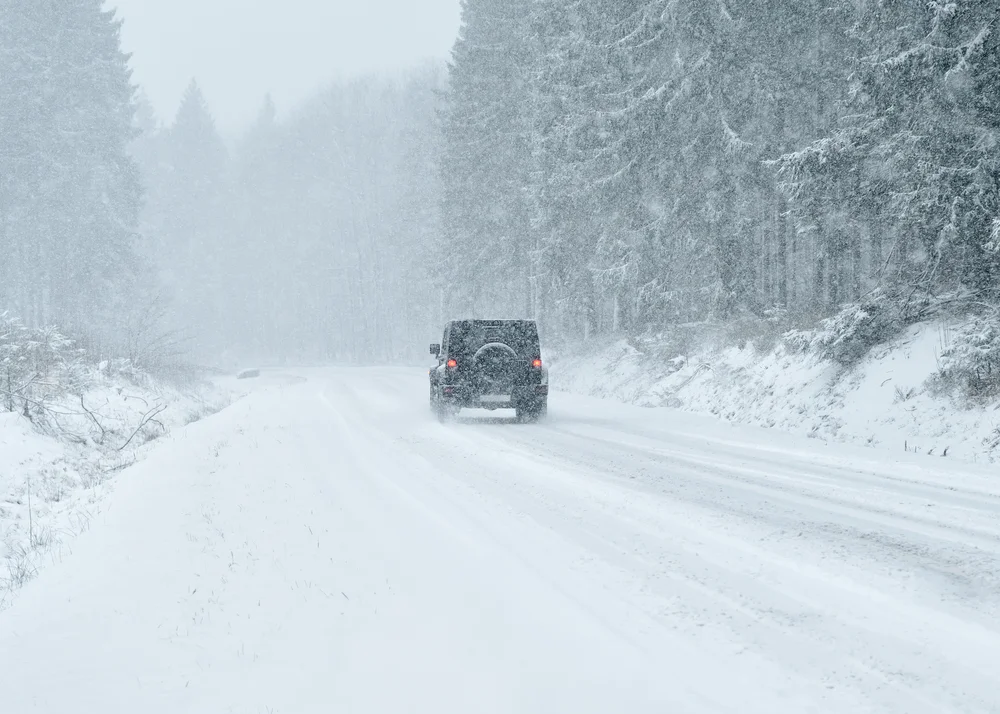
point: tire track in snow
(879, 634)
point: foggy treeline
(606, 166)
(307, 239)
(139, 236)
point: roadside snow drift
(885, 401)
(57, 466)
(326, 546)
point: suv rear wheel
(444, 411)
(532, 414)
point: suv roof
(469, 335)
(494, 323)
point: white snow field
(324, 545)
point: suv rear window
(521, 336)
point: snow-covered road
(325, 546)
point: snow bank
(885, 400)
(55, 472)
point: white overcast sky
(241, 49)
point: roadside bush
(47, 379)
(764, 331)
(36, 367)
(971, 363)
(849, 335)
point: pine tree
(71, 193)
(560, 192)
(148, 150)
(22, 71)
(195, 241)
(259, 196)
(417, 192)
(487, 160)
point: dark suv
(489, 364)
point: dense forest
(626, 165)
(607, 167)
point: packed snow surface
(324, 545)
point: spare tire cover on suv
(496, 363)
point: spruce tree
(196, 239)
(258, 198)
(71, 194)
(487, 160)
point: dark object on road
(489, 364)
(248, 374)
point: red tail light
(452, 363)
(537, 364)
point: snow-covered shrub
(798, 341)
(850, 334)
(971, 363)
(124, 370)
(763, 331)
(36, 367)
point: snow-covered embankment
(59, 460)
(885, 400)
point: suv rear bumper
(519, 397)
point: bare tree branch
(147, 417)
(93, 418)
